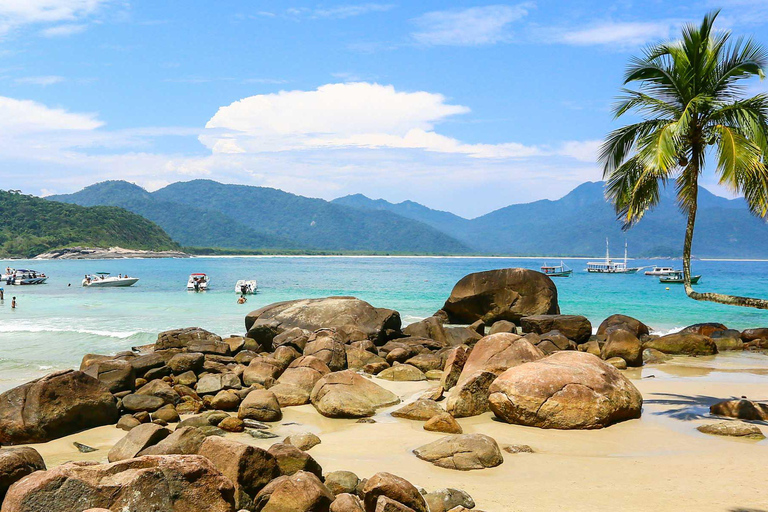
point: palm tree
(690, 97)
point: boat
(105, 280)
(246, 287)
(23, 276)
(198, 282)
(677, 277)
(560, 270)
(609, 266)
(660, 271)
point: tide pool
(57, 323)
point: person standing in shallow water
(13, 303)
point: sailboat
(609, 266)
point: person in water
(13, 303)
(242, 300)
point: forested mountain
(30, 225)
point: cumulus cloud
(468, 27)
(344, 115)
(17, 13)
(25, 116)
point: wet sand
(659, 462)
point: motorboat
(676, 277)
(105, 280)
(609, 266)
(246, 287)
(560, 270)
(660, 271)
(23, 276)
(198, 282)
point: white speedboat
(609, 266)
(198, 282)
(246, 287)
(23, 276)
(660, 271)
(105, 280)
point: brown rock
(443, 422)
(704, 329)
(225, 400)
(463, 452)
(117, 375)
(182, 338)
(302, 492)
(395, 488)
(291, 460)
(498, 352)
(342, 482)
(232, 424)
(136, 440)
(349, 395)
(470, 396)
(183, 441)
(627, 323)
(166, 413)
(303, 441)
(573, 327)
(346, 503)
(733, 429)
(454, 364)
(742, 409)
(15, 464)
(422, 409)
(625, 345)
(682, 343)
(403, 373)
(260, 405)
(326, 345)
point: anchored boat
(609, 266)
(246, 287)
(560, 270)
(105, 280)
(198, 282)
(676, 277)
(660, 271)
(23, 276)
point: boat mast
(607, 254)
(625, 252)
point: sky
(461, 106)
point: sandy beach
(659, 462)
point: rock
(402, 372)
(186, 379)
(463, 452)
(289, 395)
(503, 326)
(15, 464)
(136, 440)
(245, 357)
(704, 329)
(340, 482)
(303, 441)
(454, 364)
(682, 343)
(444, 500)
(358, 357)
(422, 409)
(395, 488)
(384, 504)
(186, 362)
(346, 503)
(295, 337)
(653, 356)
(352, 318)
(326, 345)
(157, 373)
(189, 405)
(260, 434)
(160, 389)
(248, 467)
(375, 368)
(742, 409)
(518, 448)
(225, 400)
(732, 428)
(127, 422)
(263, 371)
(426, 362)
(303, 373)
(302, 492)
(54, 406)
(232, 424)
(213, 383)
(136, 403)
(117, 375)
(470, 396)
(729, 339)
(210, 430)
(139, 485)
(236, 343)
(260, 405)
(349, 395)
(434, 375)
(203, 420)
(573, 327)
(286, 355)
(166, 413)
(617, 362)
(443, 422)
(505, 294)
(291, 460)
(182, 441)
(625, 345)
(142, 364)
(748, 335)
(627, 323)
(567, 390)
(498, 352)
(551, 342)
(182, 338)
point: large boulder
(705, 329)
(573, 327)
(422, 409)
(567, 390)
(172, 483)
(454, 364)
(625, 322)
(742, 409)
(729, 339)
(291, 460)
(462, 451)
(504, 294)
(394, 488)
(470, 396)
(625, 345)
(182, 338)
(760, 333)
(349, 395)
(326, 345)
(353, 319)
(682, 343)
(496, 353)
(117, 374)
(183, 441)
(260, 405)
(53, 406)
(302, 492)
(15, 464)
(138, 439)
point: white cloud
(25, 116)
(617, 33)
(40, 80)
(64, 30)
(17, 13)
(344, 115)
(583, 151)
(468, 27)
(348, 11)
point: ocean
(57, 323)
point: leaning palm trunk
(690, 98)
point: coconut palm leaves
(690, 97)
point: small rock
(617, 362)
(732, 428)
(232, 424)
(340, 482)
(83, 448)
(422, 409)
(260, 434)
(402, 372)
(518, 448)
(303, 441)
(443, 422)
(462, 452)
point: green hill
(31, 225)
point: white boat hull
(23, 280)
(110, 282)
(250, 287)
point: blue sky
(462, 106)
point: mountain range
(204, 213)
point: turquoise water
(55, 324)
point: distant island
(208, 217)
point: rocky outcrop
(496, 353)
(172, 483)
(463, 452)
(504, 294)
(573, 327)
(682, 343)
(353, 319)
(53, 406)
(15, 464)
(349, 395)
(567, 390)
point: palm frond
(620, 142)
(632, 191)
(737, 156)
